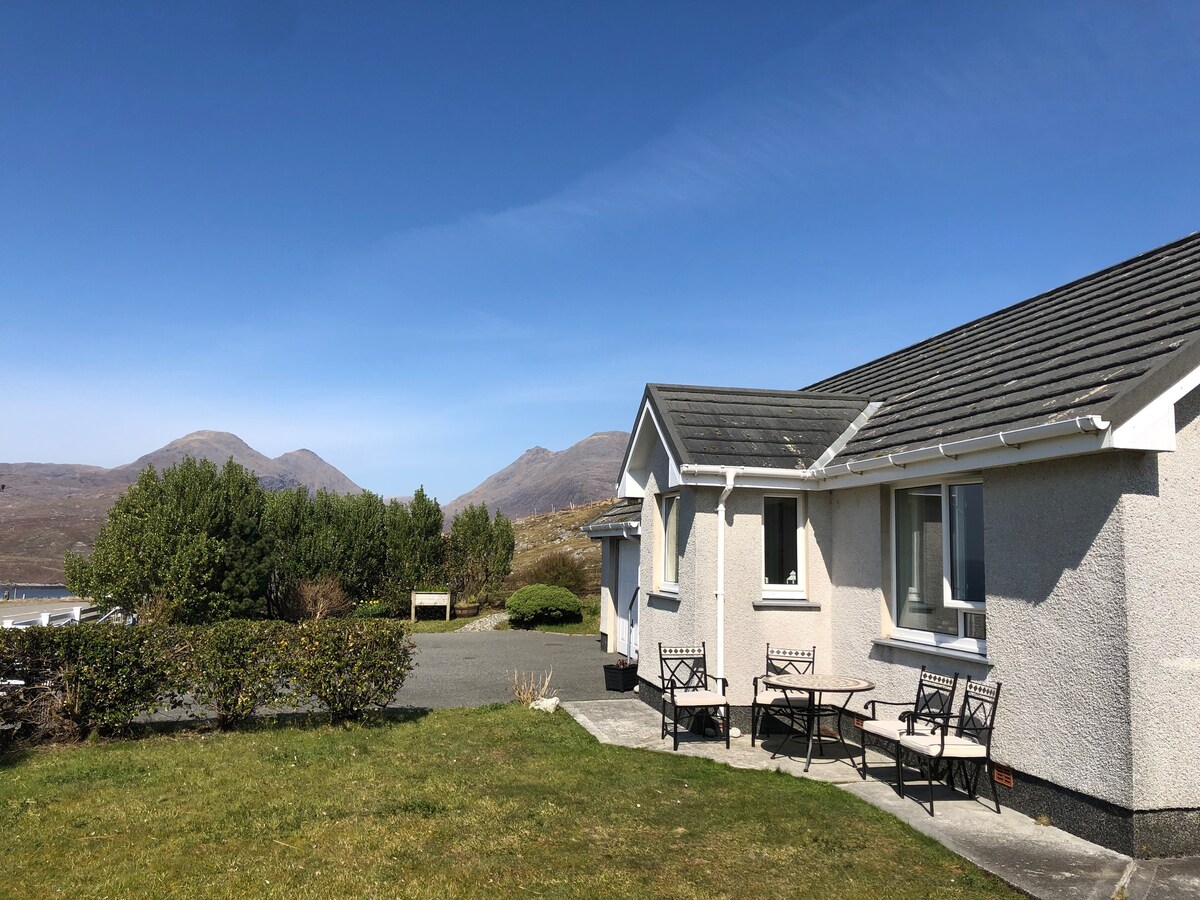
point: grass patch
(456, 803)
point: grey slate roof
(1103, 345)
(744, 427)
(621, 512)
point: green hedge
(538, 603)
(80, 679)
(83, 678)
(235, 668)
(349, 665)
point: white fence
(66, 617)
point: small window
(781, 543)
(940, 591)
(670, 518)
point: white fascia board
(992, 458)
(612, 529)
(629, 484)
(1153, 426)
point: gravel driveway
(473, 669)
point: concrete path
(1040, 860)
(476, 668)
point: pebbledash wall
(1092, 575)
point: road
(473, 669)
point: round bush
(536, 603)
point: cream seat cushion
(894, 729)
(697, 698)
(956, 747)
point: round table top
(838, 684)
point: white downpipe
(730, 475)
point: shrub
(323, 598)
(234, 668)
(348, 665)
(538, 603)
(87, 677)
(560, 568)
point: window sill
(672, 596)
(932, 650)
(786, 603)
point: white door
(628, 569)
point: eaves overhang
(1069, 437)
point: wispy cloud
(801, 117)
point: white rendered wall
(690, 618)
(749, 630)
(1162, 533)
(1055, 559)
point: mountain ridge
(49, 508)
(541, 480)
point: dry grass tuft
(527, 687)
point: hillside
(49, 508)
(542, 480)
(548, 532)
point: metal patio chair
(789, 705)
(964, 740)
(933, 706)
(687, 684)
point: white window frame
(670, 587)
(799, 590)
(933, 638)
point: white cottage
(1017, 500)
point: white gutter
(955, 449)
(730, 475)
(748, 471)
(612, 529)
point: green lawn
(475, 802)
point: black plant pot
(620, 678)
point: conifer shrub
(536, 604)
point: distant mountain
(49, 508)
(295, 469)
(542, 480)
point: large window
(670, 541)
(783, 562)
(940, 593)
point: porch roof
(748, 427)
(619, 518)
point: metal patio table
(815, 686)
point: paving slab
(1040, 860)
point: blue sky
(419, 239)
